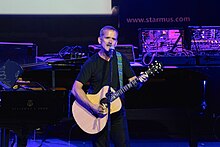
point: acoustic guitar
(93, 124)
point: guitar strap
(120, 73)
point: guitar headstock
(154, 67)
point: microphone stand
(108, 95)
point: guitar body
(86, 120)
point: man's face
(108, 39)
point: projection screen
(55, 7)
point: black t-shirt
(96, 72)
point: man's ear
(116, 43)
(99, 40)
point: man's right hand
(99, 110)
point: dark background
(52, 32)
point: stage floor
(56, 142)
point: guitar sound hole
(104, 101)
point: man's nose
(111, 41)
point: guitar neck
(124, 89)
(151, 70)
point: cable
(69, 51)
(144, 58)
(63, 51)
(40, 85)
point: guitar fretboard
(124, 89)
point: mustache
(110, 44)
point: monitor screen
(204, 38)
(22, 53)
(161, 40)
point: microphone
(111, 51)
